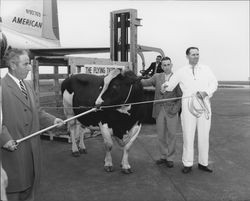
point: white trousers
(189, 124)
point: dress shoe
(169, 164)
(186, 170)
(204, 168)
(161, 161)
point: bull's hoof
(76, 153)
(83, 151)
(126, 171)
(109, 168)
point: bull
(122, 122)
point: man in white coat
(198, 81)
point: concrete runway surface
(65, 178)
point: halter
(130, 89)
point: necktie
(156, 65)
(23, 89)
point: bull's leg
(82, 131)
(73, 133)
(108, 144)
(68, 111)
(132, 135)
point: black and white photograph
(125, 100)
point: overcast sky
(219, 28)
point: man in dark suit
(165, 113)
(155, 67)
(21, 117)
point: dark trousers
(27, 195)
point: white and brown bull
(83, 91)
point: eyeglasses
(166, 64)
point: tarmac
(67, 178)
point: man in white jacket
(199, 82)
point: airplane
(33, 25)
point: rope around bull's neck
(145, 102)
(120, 105)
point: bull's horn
(114, 73)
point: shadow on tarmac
(65, 178)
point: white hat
(197, 106)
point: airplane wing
(65, 51)
(91, 50)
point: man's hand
(11, 145)
(201, 94)
(163, 86)
(59, 121)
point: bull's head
(118, 87)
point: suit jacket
(172, 107)
(21, 117)
(151, 69)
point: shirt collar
(15, 79)
(196, 66)
(167, 76)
